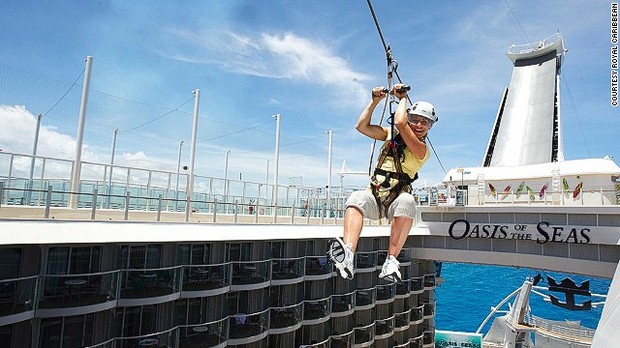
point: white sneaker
(390, 270)
(341, 255)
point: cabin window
(286, 295)
(10, 259)
(200, 254)
(137, 321)
(194, 254)
(278, 249)
(73, 260)
(243, 302)
(318, 289)
(239, 252)
(141, 256)
(74, 331)
(195, 311)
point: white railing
(601, 196)
(534, 46)
(139, 189)
(556, 327)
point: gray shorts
(403, 205)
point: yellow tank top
(411, 164)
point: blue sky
(313, 62)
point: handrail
(534, 46)
(221, 211)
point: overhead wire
(517, 20)
(158, 117)
(282, 145)
(577, 114)
(65, 94)
(235, 132)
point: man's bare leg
(398, 236)
(399, 232)
(353, 222)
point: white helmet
(424, 109)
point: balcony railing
(283, 318)
(317, 309)
(246, 328)
(343, 303)
(159, 339)
(287, 270)
(76, 290)
(202, 278)
(149, 283)
(365, 335)
(204, 335)
(249, 275)
(17, 295)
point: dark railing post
(293, 214)
(187, 204)
(236, 211)
(48, 202)
(1, 192)
(94, 207)
(159, 208)
(256, 209)
(127, 196)
(214, 209)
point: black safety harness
(394, 148)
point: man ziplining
(403, 154)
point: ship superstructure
(527, 128)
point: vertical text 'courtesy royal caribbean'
(614, 54)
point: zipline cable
(392, 69)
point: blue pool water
(469, 291)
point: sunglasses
(414, 119)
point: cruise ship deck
(235, 270)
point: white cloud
(18, 135)
(278, 56)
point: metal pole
(176, 194)
(34, 157)
(266, 179)
(48, 202)
(329, 170)
(159, 208)
(192, 157)
(274, 193)
(93, 210)
(77, 167)
(226, 184)
(127, 197)
(112, 152)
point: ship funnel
(527, 125)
